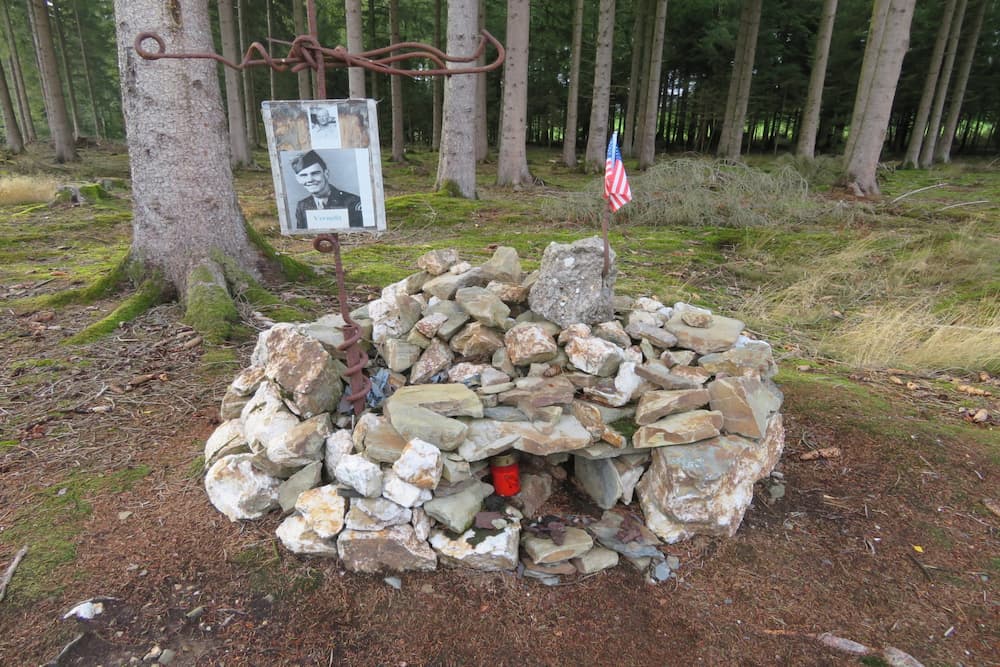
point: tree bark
(249, 100)
(238, 145)
(457, 156)
(817, 78)
(85, 61)
(67, 72)
(943, 151)
(640, 103)
(396, 90)
(17, 77)
(597, 140)
(934, 124)
(731, 141)
(15, 143)
(870, 120)
(185, 208)
(635, 75)
(647, 146)
(271, 74)
(482, 134)
(573, 95)
(55, 103)
(299, 22)
(512, 164)
(356, 44)
(438, 89)
(912, 157)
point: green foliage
(49, 525)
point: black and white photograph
(326, 165)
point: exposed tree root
(151, 292)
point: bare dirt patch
(888, 544)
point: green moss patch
(49, 525)
(149, 294)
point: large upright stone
(304, 369)
(571, 286)
(395, 549)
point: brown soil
(835, 554)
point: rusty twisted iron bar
(304, 50)
(357, 358)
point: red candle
(506, 475)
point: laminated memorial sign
(326, 164)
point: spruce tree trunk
(396, 90)
(912, 157)
(271, 74)
(647, 40)
(17, 77)
(15, 143)
(67, 72)
(185, 210)
(457, 155)
(940, 95)
(870, 120)
(238, 145)
(249, 99)
(943, 151)
(438, 90)
(638, 51)
(512, 164)
(647, 145)
(85, 61)
(731, 141)
(482, 133)
(597, 140)
(55, 104)
(814, 97)
(573, 95)
(356, 44)
(299, 22)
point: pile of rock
(673, 405)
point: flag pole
(607, 248)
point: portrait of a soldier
(312, 174)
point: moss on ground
(49, 525)
(150, 293)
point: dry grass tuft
(913, 336)
(697, 192)
(26, 190)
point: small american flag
(616, 188)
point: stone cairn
(671, 405)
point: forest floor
(895, 542)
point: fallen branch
(890, 654)
(824, 453)
(9, 574)
(913, 192)
(964, 203)
(65, 651)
